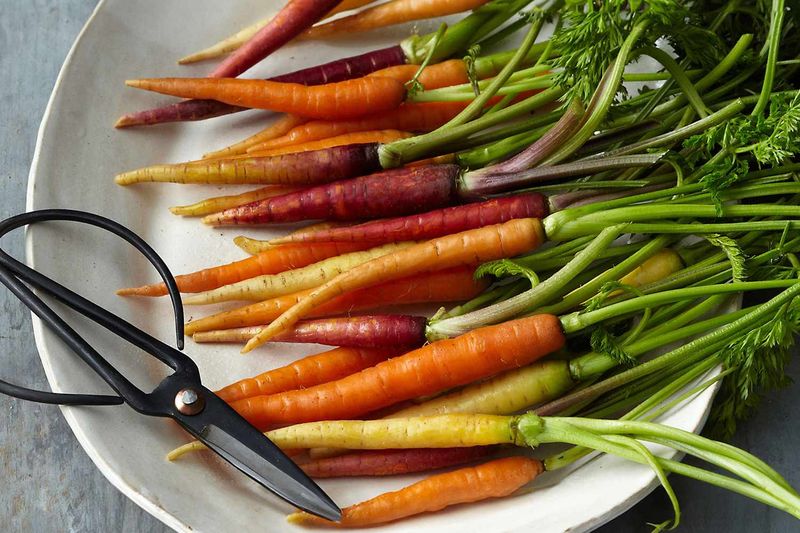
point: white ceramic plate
(77, 154)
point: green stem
(773, 43)
(680, 78)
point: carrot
(408, 117)
(271, 261)
(358, 137)
(235, 41)
(662, 264)
(469, 247)
(278, 128)
(333, 101)
(431, 224)
(388, 193)
(261, 287)
(493, 479)
(391, 13)
(219, 203)
(256, 246)
(435, 367)
(374, 331)
(392, 462)
(436, 76)
(307, 372)
(304, 168)
(446, 286)
(339, 70)
(291, 20)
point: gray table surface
(48, 482)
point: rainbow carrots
(447, 286)
(388, 193)
(469, 247)
(296, 16)
(289, 281)
(307, 372)
(391, 13)
(435, 367)
(374, 331)
(416, 117)
(392, 462)
(271, 261)
(431, 224)
(333, 101)
(220, 203)
(493, 479)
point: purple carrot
(376, 331)
(389, 193)
(339, 70)
(431, 224)
(301, 168)
(393, 462)
(294, 18)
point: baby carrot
(493, 479)
(272, 261)
(391, 13)
(374, 331)
(280, 127)
(333, 101)
(291, 20)
(453, 285)
(392, 462)
(436, 76)
(431, 224)
(308, 371)
(389, 193)
(358, 137)
(256, 246)
(261, 287)
(427, 370)
(469, 247)
(220, 203)
(408, 117)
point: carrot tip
(134, 83)
(212, 220)
(125, 121)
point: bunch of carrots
(575, 231)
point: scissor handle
(13, 273)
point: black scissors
(180, 396)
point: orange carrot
(392, 462)
(468, 247)
(391, 13)
(493, 479)
(378, 136)
(436, 76)
(433, 368)
(307, 372)
(272, 261)
(220, 203)
(333, 101)
(452, 285)
(280, 127)
(408, 117)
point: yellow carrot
(269, 286)
(661, 265)
(469, 247)
(220, 203)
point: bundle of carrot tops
(587, 208)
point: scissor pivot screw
(189, 402)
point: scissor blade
(242, 445)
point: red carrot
(431, 224)
(454, 285)
(273, 261)
(333, 101)
(308, 371)
(303, 168)
(392, 462)
(388, 193)
(295, 17)
(375, 331)
(339, 70)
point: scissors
(180, 396)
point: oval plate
(78, 153)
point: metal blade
(222, 429)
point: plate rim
(116, 478)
